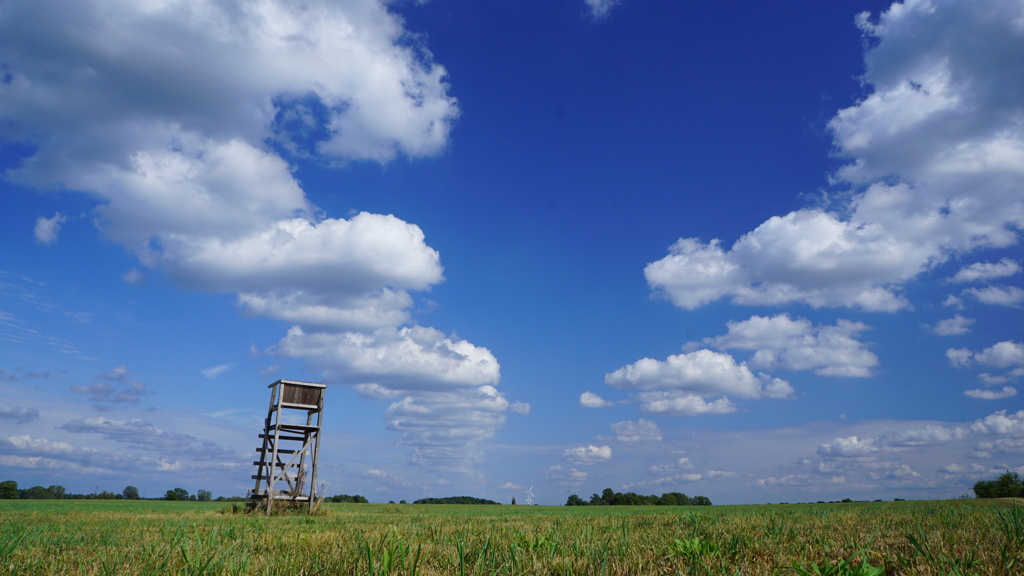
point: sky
(755, 251)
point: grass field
(141, 537)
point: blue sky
(760, 253)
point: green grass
(866, 539)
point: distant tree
(130, 493)
(171, 495)
(513, 500)
(8, 490)
(700, 501)
(573, 500)
(204, 495)
(346, 499)
(34, 493)
(1007, 485)
(57, 492)
(402, 502)
(456, 500)
(182, 493)
(674, 499)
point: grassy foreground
(868, 539)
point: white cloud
(986, 271)
(572, 477)
(165, 116)
(682, 403)
(998, 295)
(600, 9)
(20, 414)
(448, 403)
(214, 371)
(26, 443)
(132, 276)
(1002, 354)
(590, 400)
(936, 167)
(385, 478)
(780, 342)
(682, 383)
(959, 357)
(999, 423)
(640, 431)
(680, 464)
(408, 359)
(587, 454)
(142, 435)
(883, 455)
(982, 394)
(850, 447)
(953, 326)
(47, 229)
(701, 372)
(522, 408)
(117, 387)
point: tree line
(9, 491)
(1007, 485)
(608, 497)
(455, 500)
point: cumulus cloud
(983, 394)
(986, 271)
(781, 342)
(590, 400)
(171, 139)
(19, 414)
(640, 431)
(998, 295)
(877, 455)
(447, 400)
(683, 383)
(1002, 354)
(959, 357)
(850, 447)
(682, 403)
(47, 229)
(26, 443)
(405, 359)
(587, 454)
(953, 326)
(703, 372)
(183, 120)
(935, 162)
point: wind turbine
(529, 496)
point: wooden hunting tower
(286, 469)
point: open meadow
(156, 537)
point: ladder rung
(295, 427)
(296, 438)
(279, 450)
(279, 464)
(282, 478)
(299, 406)
(262, 496)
